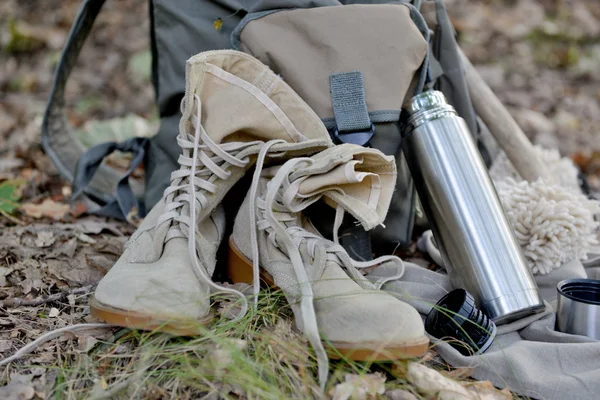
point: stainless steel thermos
(478, 246)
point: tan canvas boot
(235, 111)
(330, 298)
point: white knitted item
(553, 225)
(562, 169)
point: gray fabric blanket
(528, 356)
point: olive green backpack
(354, 62)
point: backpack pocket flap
(306, 46)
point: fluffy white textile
(554, 222)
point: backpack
(349, 65)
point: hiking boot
(236, 112)
(328, 294)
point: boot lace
(279, 216)
(203, 162)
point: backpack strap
(124, 204)
(452, 82)
(66, 151)
(447, 73)
(353, 124)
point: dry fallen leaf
(85, 343)
(290, 346)
(53, 312)
(100, 262)
(19, 388)
(94, 226)
(87, 339)
(6, 345)
(484, 390)
(48, 208)
(75, 272)
(222, 356)
(85, 238)
(359, 387)
(17, 391)
(66, 191)
(7, 123)
(68, 249)
(44, 239)
(459, 373)
(4, 271)
(110, 245)
(400, 394)
(79, 208)
(133, 217)
(430, 382)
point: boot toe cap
(167, 288)
(372, 317)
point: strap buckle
(362, 138)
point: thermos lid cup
(580, 290)
(428, 106)
(456, 317)
(578, 307)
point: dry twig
(49, 336)
(18, 302)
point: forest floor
(541, 57)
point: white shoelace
(276, 210)
(199, 171)
(197, 175)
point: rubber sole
(147, 322)
(240, 270)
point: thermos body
(477, 243)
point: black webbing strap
(124, 200)
(453, 82)
(65, 150)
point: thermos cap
(427, 106)
(577, 307)
(456, 317)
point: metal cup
(578, 307)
